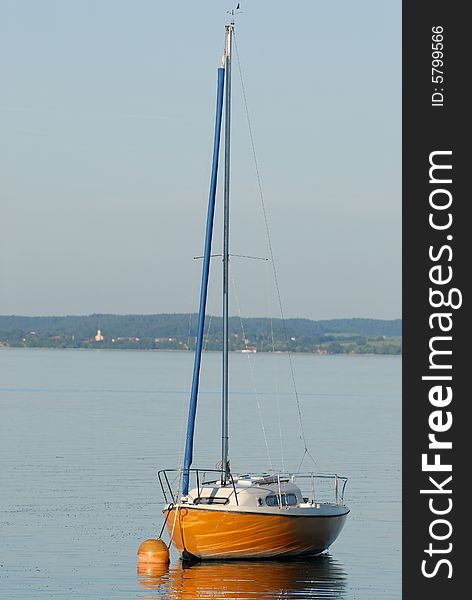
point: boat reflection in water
(320, 577)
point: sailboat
(217, 514)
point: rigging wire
(190, 314)
(181, 437)
(207, 337)
(189, 330)
(277, 399)
(272, 260)
(251, 370)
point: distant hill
(178, 331)
(178, 325)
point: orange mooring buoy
(153, 552)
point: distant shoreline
(190, 352)
(177, 332)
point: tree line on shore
(178, 332)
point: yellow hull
(217, 534)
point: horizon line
(102, 314)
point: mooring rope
(171, 506)
(173, 526)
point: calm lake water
(82, 434)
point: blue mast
(204, 287)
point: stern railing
(316, 488)
(171, 490)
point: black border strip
(427, 128)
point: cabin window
(287, 500)
(211, 500)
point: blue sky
(106, 124)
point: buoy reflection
(319, 577)
(152, 576)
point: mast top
(229, 32)
(233, 13)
